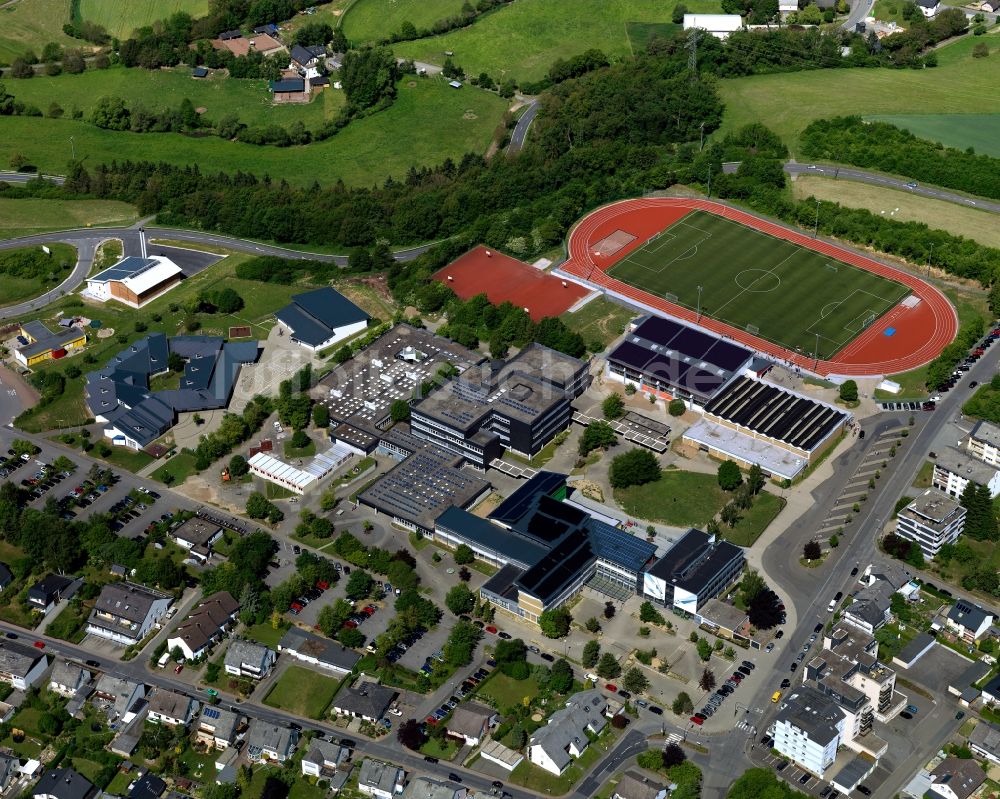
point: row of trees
(468, 14)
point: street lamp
(699, 303)
(72, 144)
(816, 228)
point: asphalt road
(521, 128)
(885, 181)
(24, 177)
(859, 10)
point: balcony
(892, 708)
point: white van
(832, 606)
(164, 660)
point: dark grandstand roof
(694, 560)
(773, 412)
(680, 355)
(314, 315)
(518, 503)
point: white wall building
(718, 25)
(932, 520)
(808, 730)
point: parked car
(912, 709)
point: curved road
(85, 240)
(521, 128)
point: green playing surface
(755, 282)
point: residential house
(928, 8)
(6, 578)
(217, 727)
(808, 729)
(172, 709)
(197, 535)
(471, 722)
(44, 594)
(10, 770)
(68, 678)
(207, 623)
(316, 651)
(148, 786)
(369, 701)
(428, 788)
(984, 440)
(119, 692)
(718, 25)
(126, 612)
(22, 666)
(984, 741)
(320, 318)
(564, 738)
(290, 90)
(323, 758)
(64, 783)
(379, 779)
(633, 785)
(871, 608)
(305, 59)
(968, 621)
(249, 659)
(955, 778)
(267, 741)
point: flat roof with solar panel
(670, 356)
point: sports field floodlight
(699, 303)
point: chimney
(142, 241)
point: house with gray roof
(320, 318)
(634, 785)
(205, 625)
(22, 666)
(68, 678)
(126, 612)
(316, 651)
(172, 709)
(64, 783)
(119, 395)
(379, 779)
(871, 608)
(217, 727)
(955, 778)
(119, 693)
(369, 701)
(249, 659)
(968, 621)
(428, 788)
(564, 738)
(984, 741)
(471, 722)
(10, 768)
(323, 757)
(267, 741)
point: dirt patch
(200, 490)
(487, 506)
(470, 115)
(590, 489)
(200, 109)
(411, 84)
(106, 332)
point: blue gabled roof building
(321, 318)
(119, 394)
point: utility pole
(816, 228)
(929, 254)
(816, 354)
(701, 146)
(710, 183)
(72, 143)
(699, 303)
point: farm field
(31, 24)
(428, 122)
(957, 219)
(524, 39)
(788, 102)
(372, 20)
(979, 131)
(166, 88)
(121, 17)
(32, 215)
(790, 295)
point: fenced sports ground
(779, 291)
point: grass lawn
(303, 789)
(33, 24)
(537, 779)
(168, 380)
(67, 410)
(766, 506)
(200, 763)
(506, 691)
(124, 458)
(274, 491)
(119, 785)
(265, 633)
(640, 33)
(373, 20)
(219, 95)
(14, 289)
(300, 452)
(924, 475)
(180, 468)
(684, 499)
(788, 102)
(904, 206)
(34, 215)
(88, 768)
(124, 16)
(523, 39)
(600, 321)
(71, 622)
(428, 122)
(302, 692)
(979, 131)
(435, 749)
(913, 386)
(781, 291)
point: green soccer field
(755, 282)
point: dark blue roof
(288, 85)
(303, 55)
(130, 266)
(490, 537)
(520, 502)
(199, 72)
(314, 315)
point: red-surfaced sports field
(505, 279)
(884, 322)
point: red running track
(921, 332)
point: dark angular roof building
(320, 318)
(119, 393)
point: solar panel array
(211, 713)
(776, 413)
(518, 503)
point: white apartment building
(955, 468)
(932, 520)
(984, 443)
(808, 730)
